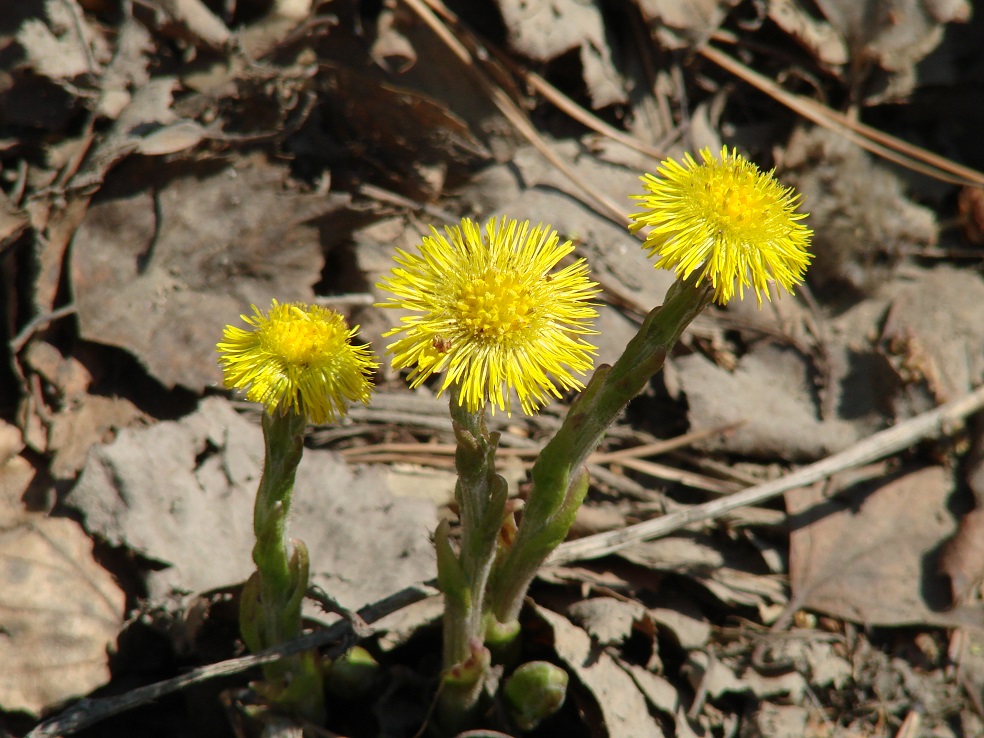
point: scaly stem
(481, 496)
(270, 610)
(559, 478)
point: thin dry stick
(932, 424)
(90, 711)
(511, 110)
(585, 117)
(877, 142)
(370, 454)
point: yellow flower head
(490, 312)
(727, 218)
(299, 357)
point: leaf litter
(163, 168)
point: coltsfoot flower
(299, 357)
(489, 311)
(727, 218)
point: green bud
(534, 692)
(352, 674)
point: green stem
(283, 437)
(559, 479)
(481, 496)
(270, 611)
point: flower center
(732, 200)
(299, 343)
(494, 305)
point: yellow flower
(298, 358)
(490, 312)
(727, 218)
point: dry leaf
(730, 576)
(962, 558)
(13, 221)
(181, 493)
(681, 617)
(61, 612)
(896, 34)
(769, 399)
(54, 46)
(545, 29)
(866, 554)
(74, 419)
(170, 139)
(936, 314)
(713, 676)
(193, 21)
(161, 272)
(770, 721)
(608, 621)
(818, 37)
(89, 420)
(390, 49)
(861, 217)
(16, 475)
(694, 21)
(394, 136)
(970, 208)
(128, 69)
(658, 690)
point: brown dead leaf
(862, 218)
(770, 401)
(818, 37)
(962, 558)
(90, 420)
(974, 460)
(591, 519)
(192, 21)
(970, 209)
(772, 720)
(399, 627)
(128, 69)
(13, 221)
(47, 47)
(895, 34)
(16, 475)
(867, 554)
(659, 691)
(144, 121)
(61, 612)
(731, 576)
(714, 677)
(56, 43)
(694, 21)
(682, 619)
(934, 320)
(390, 49)
(72, 419)
(607, 620)
(190, 257)
(621, 703)
(181, 493)
(65, 378)
(394, 136)
(145, 118)
(545, 29)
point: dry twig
(932, 424)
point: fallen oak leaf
(962, 557)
